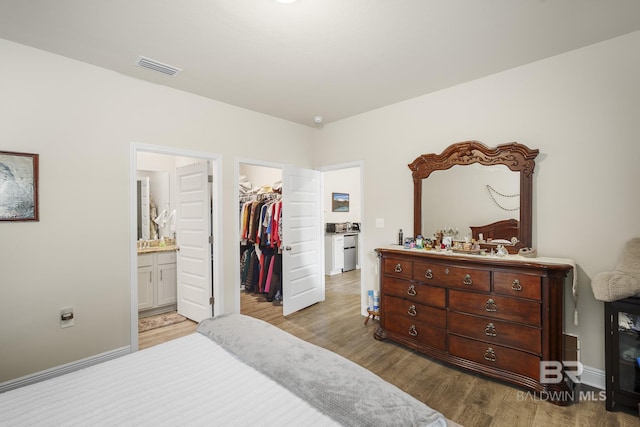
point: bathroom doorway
(159, 268)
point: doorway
(346, 178)
(356, 172)
(168, 162)
(297, 272)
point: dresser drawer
(444, 275)
(495, 356)
(489, 305)
(396, 267)
(415, 292)
(416, 331)
(436, 317)
(496, 332)
(519, 285)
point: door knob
(287, 248)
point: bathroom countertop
(157, 249)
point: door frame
(350, 165)
(236, 220)
(216, 225)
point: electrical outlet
(379, 222)
(66, 317)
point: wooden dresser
(495, 316)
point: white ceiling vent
(154, 65)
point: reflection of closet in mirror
(468, 195)
(153, 200)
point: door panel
(193, 228)
(302, 233)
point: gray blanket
(343, 390)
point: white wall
(342, 181)
(579, 109)
(81, 120)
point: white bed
(200, 379)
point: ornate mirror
(504, 176)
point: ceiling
(330, 58)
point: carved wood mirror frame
(515, 156)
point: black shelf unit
(622, 353)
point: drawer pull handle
(411, 290)
(398, 268)
(413, 331)
(490, 355)
(428, 274)
(490, 330)
(446, 271)
(491, 305)
(467, 280)
(516, 286)
(412, 311)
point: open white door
(302, 269)
(193, 230)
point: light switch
(379, 222)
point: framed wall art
(340, 202)
(18, 186)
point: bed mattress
(190, 381)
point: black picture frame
(19, 186)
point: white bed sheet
(190, 381)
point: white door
(302, 269)
(193, 229)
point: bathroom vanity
(157, 280)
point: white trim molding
(63, 369)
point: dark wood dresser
(499, 317)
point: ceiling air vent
(154, 65)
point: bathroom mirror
(154, 196)
(472, 185)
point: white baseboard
(590, 376)
(63, 369)
(593, 377)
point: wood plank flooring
(468, 399)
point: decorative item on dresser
(499, 316)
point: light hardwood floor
(465, 398)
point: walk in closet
(260, 213)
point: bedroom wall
(579, 109)
(81, 120)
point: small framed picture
(18, 186)
(340, 202)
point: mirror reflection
(470, 195)
(448, 196)
(153, 203)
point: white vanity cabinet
(157, 281)
(334, 254)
